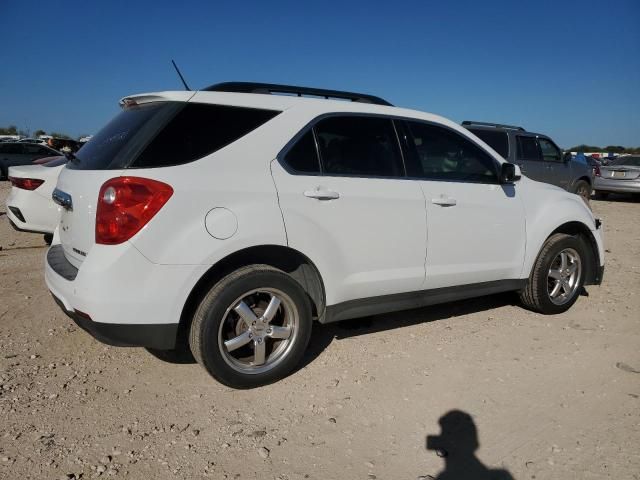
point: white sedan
(29, 204)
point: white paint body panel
(380, 237)
(37, 207)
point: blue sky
(568, 69)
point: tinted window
(56, 162)
(497, 140)
(198, 130)
(550, 152)
(528, 148)
(438, 153)
(359, 146)
(303, 156)
(106, 149)
(11, 148)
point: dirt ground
(551, 397)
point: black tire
(207, 329)
(602, 195)
(536, 295)
(583, 190)
(48, 238)
(3, 174)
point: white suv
(234, 217)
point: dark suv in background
(537, 155)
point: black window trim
(280, 157)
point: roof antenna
(186, 87)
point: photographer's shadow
(457, 444)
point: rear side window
(528, 148)
(303, 156)
(160, 134)
(497, 140)
(437, 153)
(359, 146)
(199, 130)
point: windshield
(630, 161)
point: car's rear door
(352, 211)
(475, 225)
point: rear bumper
(620, 186)
(119, 296)
(37, 213)
(162, 337)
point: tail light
(596, 170)
(125, 205)
(26, 183)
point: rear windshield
(630, 161)
(161, 134)
(495, 139)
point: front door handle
(321, 194)
(444, 201)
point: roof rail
(270, 88)
(496, 125)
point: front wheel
(252, 328)
(557, 276)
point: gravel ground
(551, 397)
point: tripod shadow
(457, 444)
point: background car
(16, 153)
(537, 155)
(32, 140)
(30, 207)
(621, 175)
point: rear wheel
(583, 189)
(252, 328)
(557, 276)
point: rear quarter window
(161, 134)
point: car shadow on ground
(456, 445)
(323, 335)
(618, 198)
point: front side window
(528, 148)
(550, 152)
(438, 153)
(359, 146)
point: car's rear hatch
(105, 156)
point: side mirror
(509, 173)
(566, 158)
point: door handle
(321, 194)
(444, 201)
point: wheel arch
(580, 230)
(287, 259)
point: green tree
(37, 133)
(10, 130)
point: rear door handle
(321, 194)
(444, 201)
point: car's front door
(475, 225)
(352, 211)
